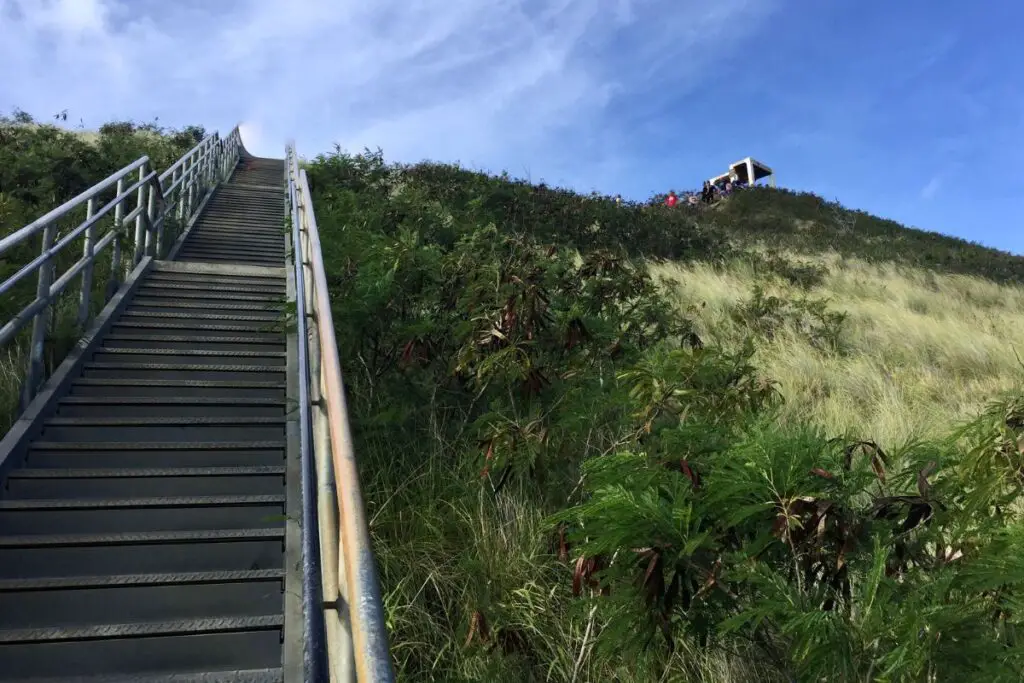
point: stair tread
(140, 537)
(240, 676)
(210, 327)
(171, 401)
(198, 339)
(144, 472)
(155, 421)
(157, 445)
(190, 352)
(135, 503)
(147, 300)
(175, 366)
(179, 383)
(182, 627)
(153, 579)
(194, 316)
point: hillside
(775, 440)
(631, 443)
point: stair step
(101, 554)
(174, 371)
(101, 515)
(213, 343)
(191, 327)
(186, 388)
(169, 406)
(257, 228)
(78, 602)
(148, 300)
(166, 356)
(236, 238)
(220, 292)
(181, 428)
(172, 646)
(131, 315)
(211, 298)
(203, 282)
(144, 482)
(126, 455)
(246, 210)
(219, 310)
(200, 247)
(240, 676)
(228, 258)
(216, 279)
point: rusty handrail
(357, 640)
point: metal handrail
(357, 640)
(179, 190)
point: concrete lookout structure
(747, 171)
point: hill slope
(579, 469)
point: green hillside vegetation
(632, 443)
(774, 440)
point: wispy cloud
(931, 187)
(512, 83)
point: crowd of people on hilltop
(709, 194)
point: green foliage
(508, 358)
(766, 315)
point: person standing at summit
(671, 199)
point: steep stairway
(244, 220)
(145, 536)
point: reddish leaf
(690, 472)
(584, 574)
(878, 457)
(563, 546)
(825, 474)
(577, 576)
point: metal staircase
(172, 493)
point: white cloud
(931, 187)
(495, 83)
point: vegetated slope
(911, 351)
(577, 470)
(41, 167)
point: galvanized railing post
(115, 258)
(89, 256)
(190, 176)
(152, 230)
(140, 222)
(179, 174)
(34, 371)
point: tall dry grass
(921, 350)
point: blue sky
(903, 109)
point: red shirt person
(672, 199)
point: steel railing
(353, 613)
(177, 193)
